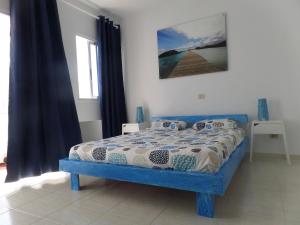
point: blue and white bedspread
(186, 150)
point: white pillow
(215, 124)
(168, 124)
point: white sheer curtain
(4, 81)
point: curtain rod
(85, 12)
(80, 9)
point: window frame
(90, 42)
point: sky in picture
(198, 33)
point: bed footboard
(205, 185)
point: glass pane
(94, 70)
(83, 67)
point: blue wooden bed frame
(206, 185)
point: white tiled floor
(266, 192)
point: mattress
(186, 150)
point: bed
(206, 179)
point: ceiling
(124, 7)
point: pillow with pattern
(215, 124)
(168, 124)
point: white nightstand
(133, 127)
(269, 127)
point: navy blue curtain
(43, 122)
(112, 97)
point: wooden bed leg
(205, 204)
(75, 185)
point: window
(87, 68)
(4, 81)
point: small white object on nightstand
(269, 127)
(132, 127)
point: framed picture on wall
(195, 47)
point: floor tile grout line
(30, 201)
(45, 216)
(162, 211)
(54, 222)
(254, 188)
(7, 209)
(107, 212)
(25, 213)
(79, 199)
(67, 205)
(104, 213)
(23, 186)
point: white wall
(74, 22)
(264, 60)
(91, 130)
(4, 6)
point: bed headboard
(191, 119)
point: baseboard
(262, 155)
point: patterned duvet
(186, 150)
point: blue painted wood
(189, 181)
(205, 204)
(75, 185)
(228, 169)
(206, 185)
(191, 119)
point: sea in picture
(192, 48)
